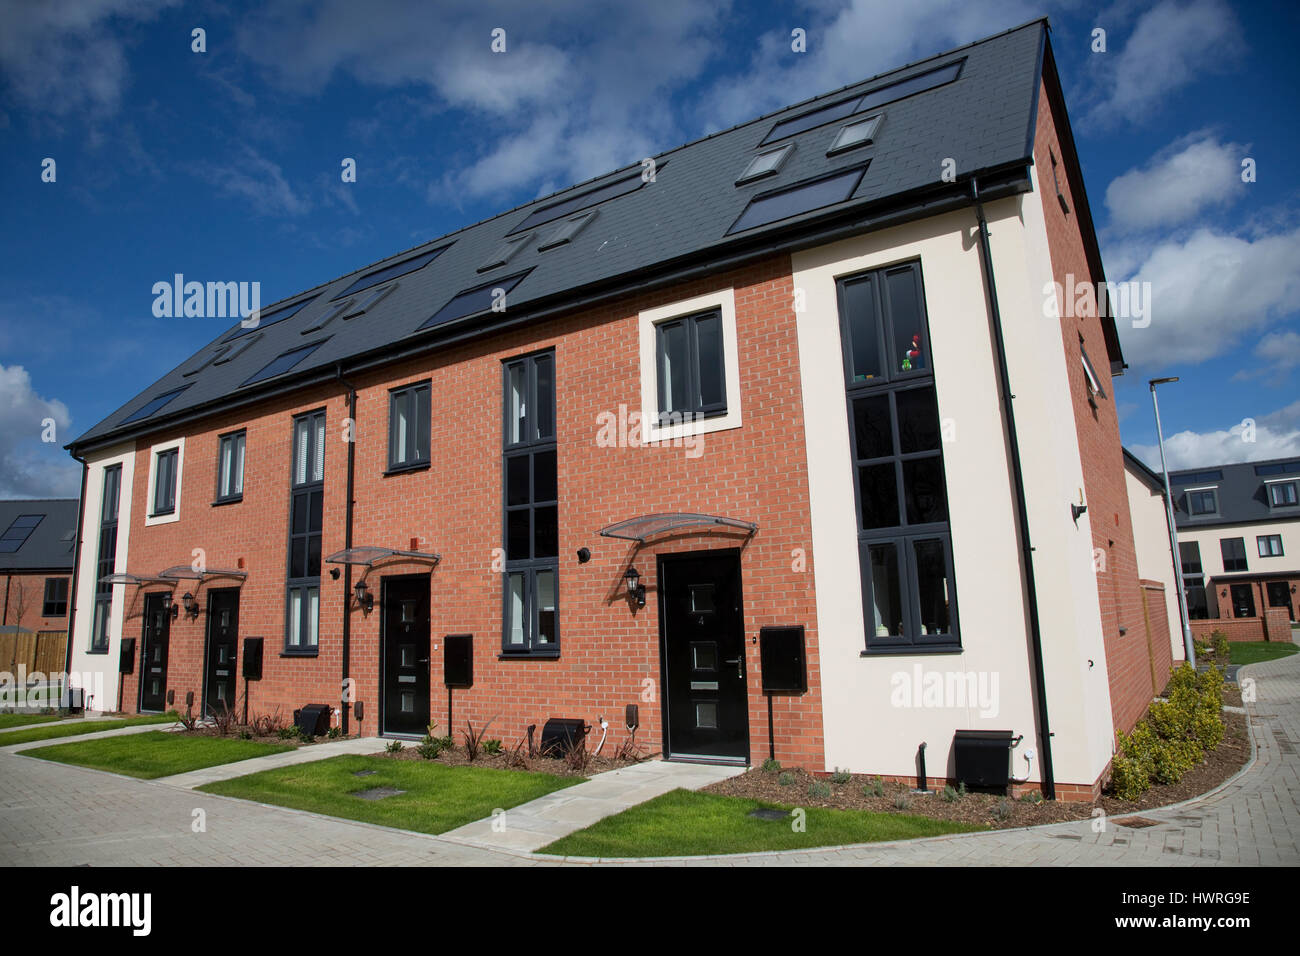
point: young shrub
(771, 765)
(1032, 796)
(394, 747)
(819, 790)
(1130, 773)
(1003, 810)
(1221, 650)
(840, 776)
(902, 800)
(876, 788)
(949, 794)
(1201, 648)
(429, 748)
(287, 733)
(474, 739)
(492, 747)
(576, 756)
(335, 733)
(786, 779)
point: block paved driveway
(55, 815)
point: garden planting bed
(458, 757)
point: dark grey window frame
(1260, 540)
(1278, 485)
(892, 382)
(56, 605)
(534, 441)
(1238, 562)
(223, 443)
(106, 559)
(311, 492)
(417, 453)
(164, 485)
(695, 406)
(1191, 502)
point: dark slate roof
(1242, 495)
(984, 120)
(50, 545)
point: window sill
(529, 655)
(163, 514)
(314, 652)
(901, 650)
(227, 501)
(97, 650)
(404, 469)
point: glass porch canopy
(186, 572)
(638, 529)
(367, 556)
(125, 577)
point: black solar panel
(279, 315)
(283, 362)
(18, 532)
(798, 199)
(391, 272)
(152, 406)
(619, 187)
(471, 301)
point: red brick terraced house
(722, 445)
(36, 561)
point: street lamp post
(1173, 531)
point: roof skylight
(205, 360)
(565, 231)
(794, 200)
(365, 302)
(335, 310)
(619, 187)
(283, 362)
(1278, 468)
(478, 299)
(857, 133)
(270, 318)
(152, 406)
(504, 252)
(237, 350)
(765, 164)
(18, 532)
(401, 268)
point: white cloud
(1171, 44)
(29, 467)
(62, 58)
(1210, 293)
(1189, 449)
(1196, 173)
(260, 181)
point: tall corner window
(1234, 554)
(904, 544)
(106, 559)
(230, 466)
(1270, 545)
(164, 481)
(1202, 501)
(409, 409)
(1282, 494)
(531, 509)
(691, 368)
(56, 598)
(306, 512)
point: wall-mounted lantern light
(635, 589)
(170, 607)
(365, 600)
(191, 605)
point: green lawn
(437, 798)
(82, 727)
(686, 823)
(1252, 652)
(154, 753)
(22, 720)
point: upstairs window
(164, 486)
(56, 598)
(1270, 545)
(408, 426)
(1202, 501)
(1282, 494)
(230, 466)
(691, 370)
(1190, 553)
(306, 514)
(106, 560)
(1234, 554)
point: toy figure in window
(912, 357)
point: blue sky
(225, 165)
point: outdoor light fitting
(365, 600)
(635, 589)
(191, 605)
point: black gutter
(1022, 515)
(76, 571)
(344, 686)
(1009, 179)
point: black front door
(1243, 600)
(1279, 595)
(153, 653)
(405, 679)
(706, 712)
(219, 674)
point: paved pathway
(240, 768)
(55, 723)
(533, 825)
(96, 735)
(52, 814)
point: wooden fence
(42, 651)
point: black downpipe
(344, 704)
(76, 573)
(1022, 516)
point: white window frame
(175, 515)
(724, 300)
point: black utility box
(458, 660)
(983, 758)
(126, 657)
(74, 700)
(562, 734)
(252, 658)
(782, 654)
(313, 719)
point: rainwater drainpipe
(1022, 515)
(76, 573)
(344, 703)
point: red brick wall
(1129, 656)
(609, 652)
(32, 588)
(1273, 625)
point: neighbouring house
(1156, 571)
(766, 446)
(1238, 538)
(37, 545)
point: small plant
(629, 750)
(474, 739)
(1003, 810)
(429, 748)
(267, 725)
(224, 719)
(245, 734)
(902, 800)
(189, 721)
(771, 765)
(840, 776)
(950, 794)
(786, 779)
(334, 733)
(1033, 796)
(819, 789)
(305, 736)
(516, 755)
(287, 733)
(492, 747)
(394, 747)
(876, 788)
(1201, 648)
(575, 754)
(1219, 642)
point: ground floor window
(304, 618)
(532, 617)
